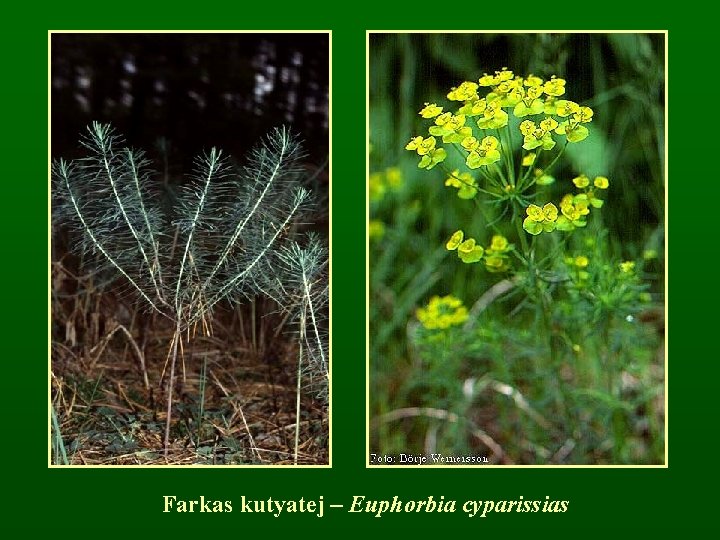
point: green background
(93, 502)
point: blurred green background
(412, 213)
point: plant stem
(253, 331)
(560, 153)
(176, 338)
(523, 239)
(299, 385)
(528, 172)
(201, 406)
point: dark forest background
(192, 91)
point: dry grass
(109, 386)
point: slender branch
(176, 338)
(241, 226)
(153, 242)
(212, 162)
(301, 196)
(98, 245)
(299, 387)
(101, 134)
(314, 322)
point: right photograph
(517, 216)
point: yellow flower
(570, 212)
(550, 212)
(540, 219)
(467, 246)
(582, 206)
(566, 107)
(489, 80)
(485, 154)
(414, 143)
(427, 146)
(467, 91)
(464, 182)
(627, 267)
(581, 181)
(601, 182)
(479, 106)
(532, 93)
(498, 243)
(394, 177)
(527, 127)
(450, 127)
(581, 261)
(376, 186)
(455, 240)
(548, 124)
(376, 229)
(530, 102)
(443, 119)
(456, 122)
(535, 136)
(529, 159)
(489, 143)
(496, 263)
(535, 213)
(649, 254)
(554, 87)
(493, 116)
(508, 90)
(533, 81)
(431, 110)
(584, 115)
(573, 130)
(431, 156)
(470, 143)
(468, 250)
(504, 87)
(504, 75)
(442, 313)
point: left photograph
(189, 286)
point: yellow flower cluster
(496, 254)
(464, 182)
(535, 135)
(540, 219)
(430, 156)
(380, 182)
(523, 96)
(376, 229)
(572, 128)
(589, 196)
(469, 251)
(577, 265)
(451, 127)
(573, 208)
(442, 313)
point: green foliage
(554, 363)
(229, 234)
(220, 239)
